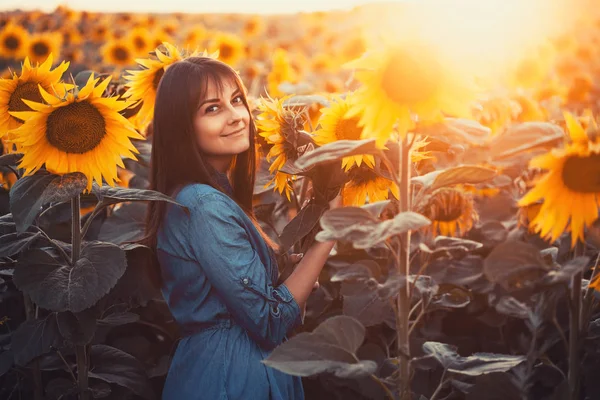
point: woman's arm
(301, 282)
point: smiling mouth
(234, 133)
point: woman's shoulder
(204, 196)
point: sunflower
(119, 52)
(141, 41)
(13, 41)
(253, 26)
(143, 83)
(81, 132)
(14, 91)
(451, 212)
(571, 187)
(195, 37)
(278, 127)
(402, 80)
(336, 125)
(281, 71)
(364, 184)
(43, 44)
(229, 46)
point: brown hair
(176, 159)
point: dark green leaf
(457, 130)
(358, 226)
(10, 160)
(121, 318)
(124, 224)
(336, 151)
(78, 328)
(7, 360)
(14, 243)
(455, 175)
(34, 338)
(300, 225)
(567, 271)
(330, 348)
(365, 304)
(445, 354)
(58, 286)
(526, 137)
(377, 208)
(60, 388)
(360, 270)
(510, 306)
(485, 363)
(115, 366)
(27, 198)
(451, 296)
(113, 195)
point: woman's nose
(235, 116)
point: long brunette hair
(176, 159)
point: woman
(217, 268)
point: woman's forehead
(226, 85)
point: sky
(190, 6)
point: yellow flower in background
(141, 41)
(451, 212)
(83, 132)
(337, 125)
(281, 71)
(277, 128)
(13, 41)
(229, 46)
(253, 26)
(143, 83)
(195, 37)
(365, 185)
(530, 109)
(119, 52)
(15, 90)
(405, 80)
(570, 190)
(43, 44)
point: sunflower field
(467, 261)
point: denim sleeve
(221, 244)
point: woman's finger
(296, 257)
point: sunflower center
(225, 51)
(446, 205)
(157, 77)
(348, 129)
(139, 43)
(409, 80)
(12, 42)
(27, 91)
(40, 49)
(120, 54)
(360, 176)
(582, 174)
(75, 128)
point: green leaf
(331, 347)
(356, 225)
(305, 100)
(34, 338)
(336, 151)
(474, 365)
(9, 160)
(119, 318)
(29, 193)
(365, 305)
(57, 286)
(360, 270)
(514, 264)
(461, 174)
(451, 296)
(14, 243)
(112, 195)
(457, 130)
(567, 271)
(78, 328)
(526, 137)
(300, 225)
(112, 365)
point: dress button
(245, 280)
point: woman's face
(221, 123)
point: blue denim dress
(219, 280)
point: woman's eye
(238, 99)
(210, 109)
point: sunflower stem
(80, 353)
(403, 262)
(35, 365)
(574, 323)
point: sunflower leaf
(336, 151)
(358, 226)
(331, 347)
(11, 159)
(14, 243)
(55, 285)
(455, 175)
(112, 195)
(34, 338)
(457, 130)
(30, 193)
(526, 137)
(300, 225)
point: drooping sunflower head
(570, 189)
(143, 83)
(404, 81)
(16, 90)
(42, 45)
(364, 185)
(13, 41)
(451, 212)
(80, 132)
(336, 124)
(278, 129)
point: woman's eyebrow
(236, 92)
(208, 101)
